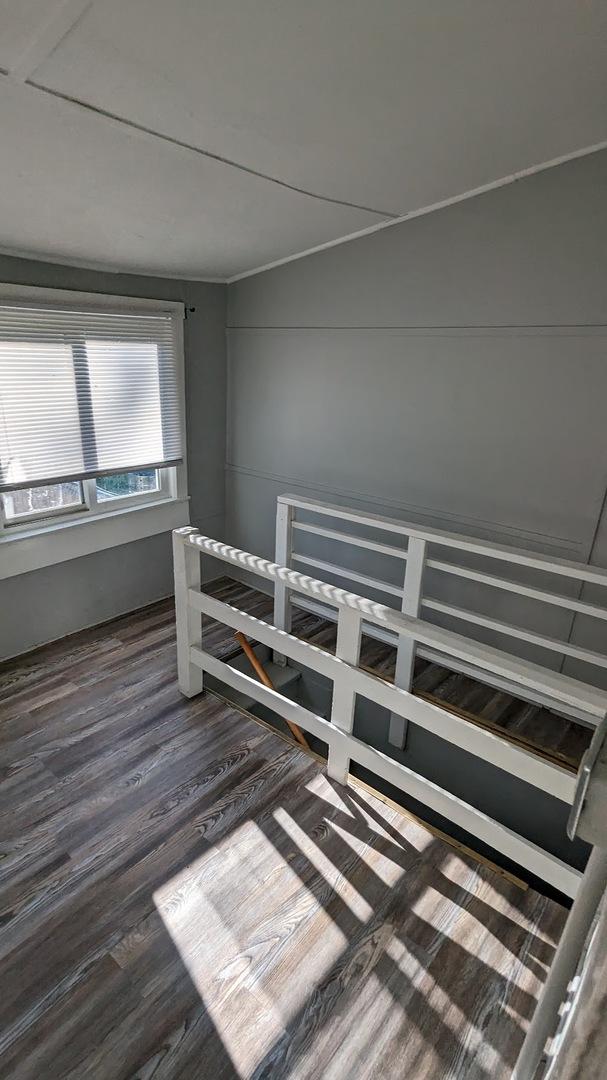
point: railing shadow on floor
(423, 942)
(436, 959)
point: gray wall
(451, 370)
(57, 600)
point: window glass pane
(129, 483)
(125, 398)
(38, 378)
(37, 501)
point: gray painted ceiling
(206, 139)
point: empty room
(303, 540)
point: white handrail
(552, 778)
(564, 567)
(349, 680)
(520, 632)
(561, 687)
(415, 559)
(557, 599)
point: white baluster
(186, 567)
(405, 655)
(282, 600)
(344, 698)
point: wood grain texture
(183, 895)
(561, 740)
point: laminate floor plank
(183, 895)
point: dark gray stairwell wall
(451, 370)
(48, 603)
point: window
(28, 503)
(91, 409)
(85, 393)
(122, 485)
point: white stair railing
(415, 560)
(349, 680)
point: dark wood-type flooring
(184, 895)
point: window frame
(17, 521)
(90, 503)
(140, 514)
(165, 490)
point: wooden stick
(263, 677)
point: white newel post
(186, 567)
(349, 626)
(405, 654)
(282, 601)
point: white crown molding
(389, 222)
(109, 268)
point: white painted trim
(451, 201)
(565, 690)
(476, 617)
(564, 567)
(348, 538)
(519, 632)
(347, 649)
(323, 611)
(405, 650)
(568, 602)
(282, 601)
(188, 624)
(342, 671)
(60, 541)
(349, 575)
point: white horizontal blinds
(86, 392)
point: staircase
(285, 679)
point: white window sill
(58, 541)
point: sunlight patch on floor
(245, 1016)
(242, 965)
(327, 791)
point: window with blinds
(86, 393)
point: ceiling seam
(390, 218)
(48, 37)
(182, 144)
